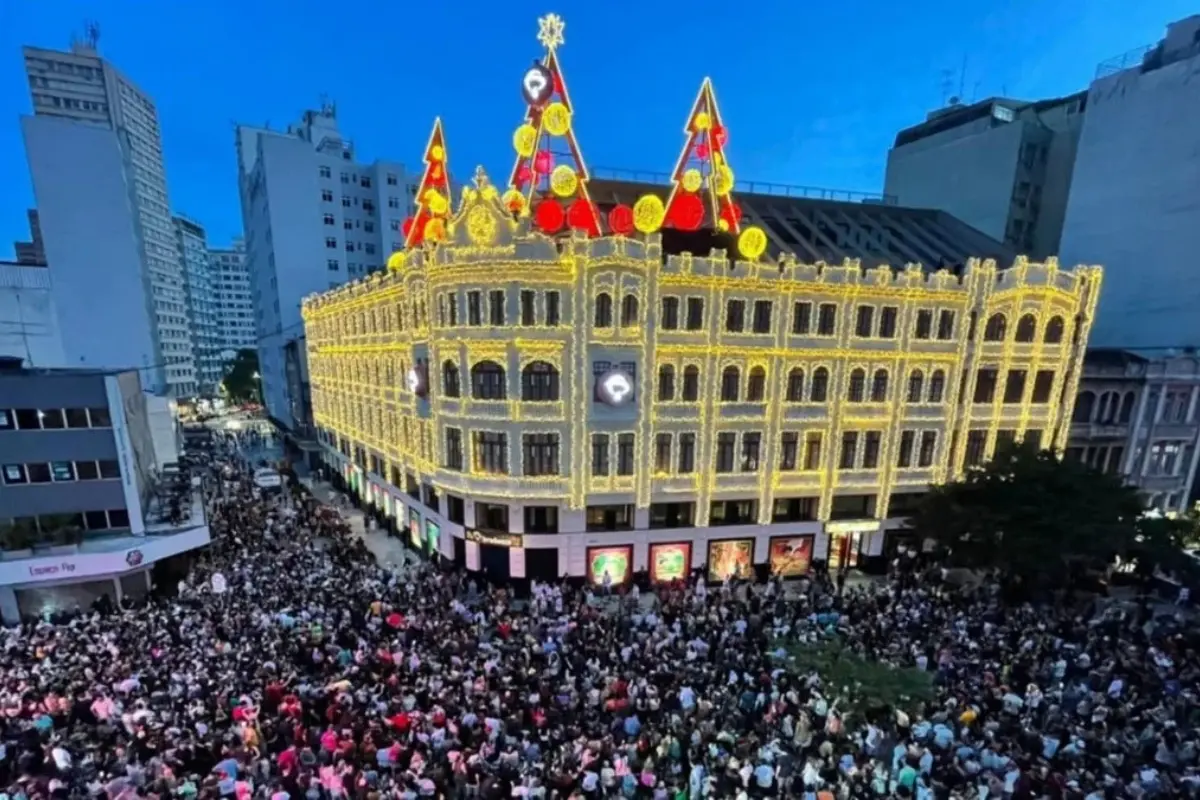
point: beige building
(534, 407)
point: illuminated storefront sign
(509, 540)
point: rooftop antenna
(962, 77)
(947, 86)
(91, 33)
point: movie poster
(433, 535)
(414, 528)
(730, 558)
(670, 562)
(790, 556)
(617, 562)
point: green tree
(241, 382)
(861, 687)
(1037, 519)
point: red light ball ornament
(720, 135)
(732, 214)
(702, 150)
(542, 162)
(687, 212)
(620, 220)
(406, 228)
(524, 175)
(548, 216)
(582, 216)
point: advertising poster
(730, 558)
(433, 535)
(670, 562)
(414, 528)
(617, 562)
(790, 556)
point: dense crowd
(290, 665)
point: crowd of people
(290, 665)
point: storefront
(493, 554)
(850, 541)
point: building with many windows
(535, 407)
(200, 294)
(78, 514)
(94, 148)
(1138, 416)
(235, 309)
(314, 218)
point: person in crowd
(290, 665)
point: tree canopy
(1042, 519)
(240, 382)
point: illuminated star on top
(550, 30)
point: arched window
(730, 379)
(857, 387)
(937, 386)
(916, 386)
(756, 385)
(1106, 409)
(539, 382)
(995, 328)
(603, 310)
(818, 390)
(879, 386)
(1054, 331)
(629, 310)
(487, 381)
(451, 385)
(666, 382)
(1084, 405)
(795, 387)
(1026, 328)
(691, 383)
(1126, 408)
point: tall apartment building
(200, 293)
(95, 155)
(235, 309)
(1000, 165)
(1135, 198)
(313, 219)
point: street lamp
(258, 385)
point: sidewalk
(388, 551)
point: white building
(1135, 195)
(1002, 166)
(28, 322)
(235, 309)
(200, 292)
(95, 155)
(314, 218)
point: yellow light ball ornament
(556, 119)
(396, 260)
(513, 200)
(723, 180)
(648, 213)
(435, 230)
(525, 140)
(481, 226)
(692, 180)
(702, 121)
(436, 203)
(563, 181)
(752, 243)
(437, 153)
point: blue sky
(812, 92)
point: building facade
(1135, 195)
(95, 155)
(201, 296)
(235, 308)
(1137, 416)
(1000, 165)
(313, 218)
(77, 518)
(29, 328)
(33, 252)
(591, 406)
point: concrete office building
(28, 322)
(200, 293)
(78, 511)
(1135, 198)
(1000, 165)
(314, 218)
(95, 155)
(33, 251)
(235, 308)
(1139, 416)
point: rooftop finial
(550, 31)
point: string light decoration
(433, 194)
(549, 168)
(435, 306)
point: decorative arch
(540, 382)
(996, 327)
(1026, 328)
(488, 381)
(856, 387)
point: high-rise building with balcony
(95, 155)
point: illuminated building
(589, 403)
